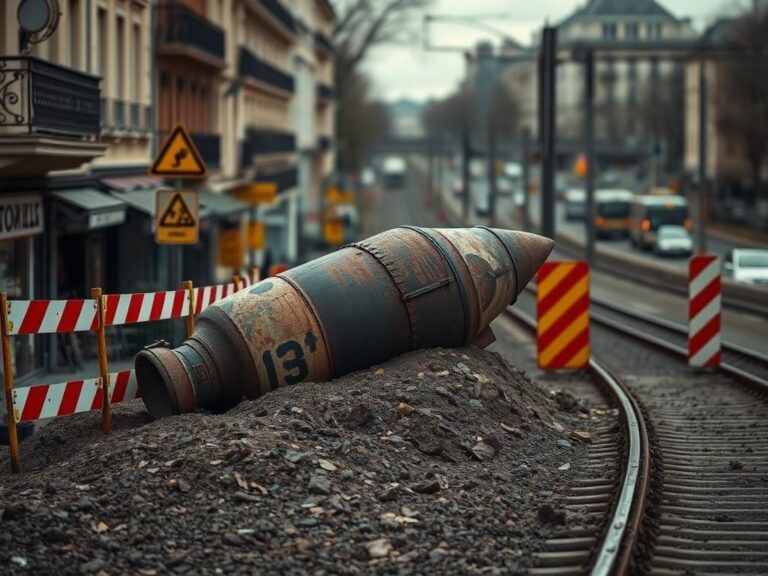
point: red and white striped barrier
(148, 307)
(65, 398)
(205, 296)
(704, 311)
(51, 316)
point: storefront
(21, 266)
(87, 222)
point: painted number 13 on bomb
(291, 353)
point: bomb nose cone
(529, 251)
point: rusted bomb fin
(404, 289)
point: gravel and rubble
(439, 461)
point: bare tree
(741, 96)
(661, 114)
(361, 25)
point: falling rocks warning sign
(177, 216)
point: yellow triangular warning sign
(179, 157)
(177, 214)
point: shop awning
(126, 183)
(92, 208)
(221, 204)
(144, 201)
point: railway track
(702, 508)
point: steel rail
(615, 552)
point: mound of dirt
(440, 461)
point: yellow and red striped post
(562, 312)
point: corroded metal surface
(400, 290)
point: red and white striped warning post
(704, 311)
(562, 315)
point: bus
(612, 208)
(650, 212)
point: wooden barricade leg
(191, 317)
(106, 385)
(236, 282)
(255, 274)
(13, 435)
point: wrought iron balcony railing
(40, 97)
(324, 142)
(285, 179)
(118, 117)
(259, 141)
(324, 93)
(280, 13)
(209, 146)
(323, 43)
(259, 70)
(177, 24)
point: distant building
(406, 119)
(620, 84)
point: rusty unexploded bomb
(400, 290)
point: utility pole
(492, 180)
(701, 230)
(466, 146)
(526, 152)
(547, 95)
(589, 150)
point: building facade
(83, 113)
(624, 81)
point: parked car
(749, 265)
(672, 241)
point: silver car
(672, 241)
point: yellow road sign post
(178, 157)
(177, 216)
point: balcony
(325, 93)
(260, 71)
(324, 143)
(280, 13)
(49, 117)
(121, 116)
(323, 44)
(285, 179)
(209, 146)
(182, 32)
(259, 142)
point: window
(101, 52)
(631, 68)
(136, 79)
(609, 31)
(654, 30)
(631, 31)
(120, 59)
(74, 33)
(654, 67)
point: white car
(575, 204)
(672, 241)
(749, 265)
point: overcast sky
(408, 71)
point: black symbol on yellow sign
(179, 156)
(177, 214)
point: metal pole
(549, 64)
(701, 231)
(492, 181)
(589, 149)
(526, 151)
(465, 147)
